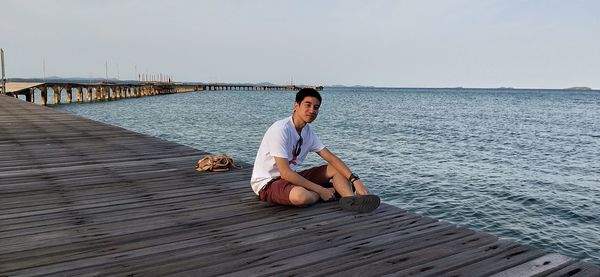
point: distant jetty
(102, 91)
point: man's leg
(349, 201)
(282, 192)
(302, 197)
(340, 183)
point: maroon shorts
(277, 191)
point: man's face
(308, 109)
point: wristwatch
(353, 177)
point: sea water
(520, 164)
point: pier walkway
(78, 197)
(92, 92)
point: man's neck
(298, 123)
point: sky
(402, 43)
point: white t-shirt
(280, 140)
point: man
(285, 145)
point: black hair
(303, 93)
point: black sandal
(360, 203)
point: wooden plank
(500, 262)
(538, 267)
(201, 238)
(442, 265)
(34, 200)
(138, 223)
(78, 219)
(96, 230)
(218, 249)
(342, 251)
(578, 269)
(70, 199)
(41, 200)
(395, 261)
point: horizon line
(581, 88)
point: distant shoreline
(93, 80)
(467, 88)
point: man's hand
(360, 188)
(327, 194)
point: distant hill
(579, 88)
(265, 84)
(355, 86)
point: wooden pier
(82, 198)
(89, 92)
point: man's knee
(302, 197)
(331, 171)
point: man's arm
(291, 176)
(343, 169)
